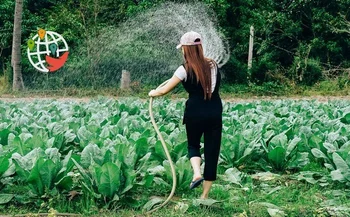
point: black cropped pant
(212, 130)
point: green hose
(166, 152)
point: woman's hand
(152, 93)
(211, 63)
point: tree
(344, 26)
(16, 60)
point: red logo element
(56, 63)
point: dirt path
(7, 98)
(30, 99)
(318, 98)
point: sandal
(196, 183)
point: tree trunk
(16, 59)
(125, 80)
(251, 46)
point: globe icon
(47, 51)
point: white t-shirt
(182, 75)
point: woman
(203, 113)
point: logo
(47, 51)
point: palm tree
(16, 60)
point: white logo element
(37, 54)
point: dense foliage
(296, 41)
(105, 149)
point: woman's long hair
(196, 64)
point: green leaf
(35, 142)
(10, 170)
(160, 182)
(181, 207)
(318, 154)
(292, 144)
(146, 181)
(48, 172)
(28, 161)
(265, 176)
(276, 212)
(34, 178)
(345, 147)
(233, 175)
(329, 166)
(179, 151)
(69, 136)
(205, 202)
(53, 154)
(17, 143)
(4, 165)
(299, 160)
(109, 182)
(4, 136)
(87, 178)
(65, 183)
(346, 119)
(108, 157)
(130, 177)
(183, 170)
(279, 140)
(151, 203)
(59, 141)
(277, 157)
(337, 176)
(340, 163)
(5, 198)
(143, 163)
(22, 173)
(159, 151)
(96, 171)
(105, 133)
(309, 176)
(315, 141)
(141, 147)
(330, 147)
(84, 134)
(91, 153)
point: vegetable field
(105, 155)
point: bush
(312, 73)
(261, 67)
(343, 82)
(235, 71)
(271, 88)
(6, 79)
(3, 83)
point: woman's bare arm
(166, 88)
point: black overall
(203, 117)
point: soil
(9, 98)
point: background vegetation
(297, 42)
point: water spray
(145, 44)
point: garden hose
(166, 152)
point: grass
(3, 84)
(253, 199)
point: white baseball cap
(190, 38)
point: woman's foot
(206, 188)
(196, 181)
(197, 177)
